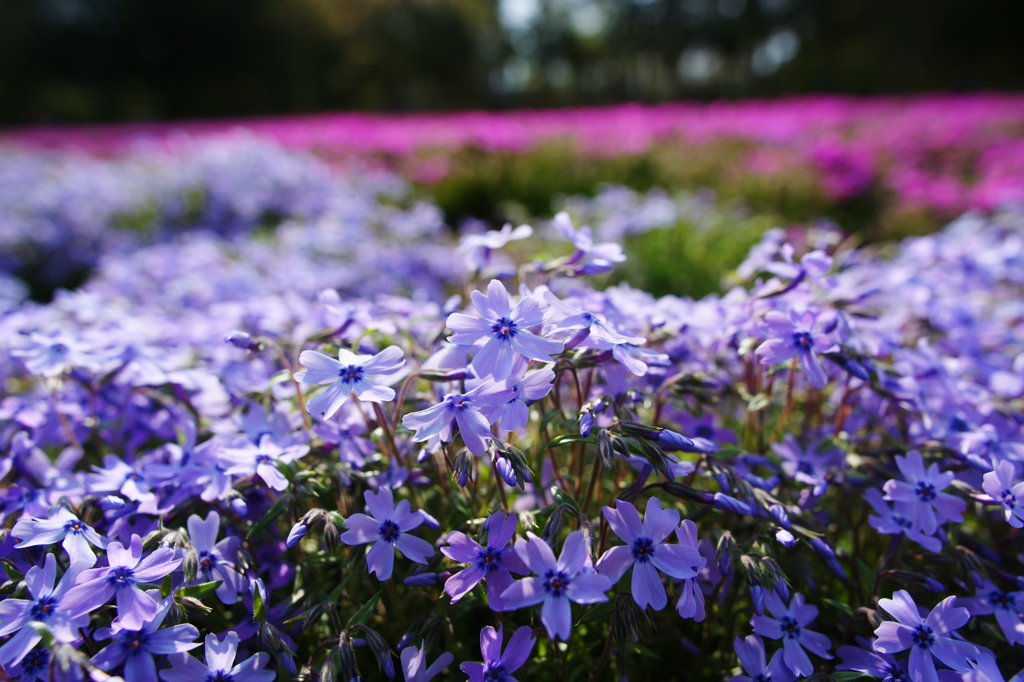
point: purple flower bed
(300, 454)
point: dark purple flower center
(790, 627)
(1009, 499)
(1003, 601)
(763, 677)
(902, 521)
(263, 459)
(924, 637)
(207, 560)
(495, 673)
(802, 340)
(122, 576)
(489, 559)
(43, 609)
(643, 550)
(75, 526)
(555, 582)
(219, 676)
(805, 467)
(504, 329)
(134, 642)
(390, 532)
(34, 662)
(351, 374)
(925, 491)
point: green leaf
(201, 589)
(12, 572)
(642, 650)
(567, 438)
(336, 592)
(166, 587)
(848, 675)
(599, 612)
(363, 614)
(269, 518)
(838, 606)
(562, 497)
(259, 609)
(759, 402)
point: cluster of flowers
(203, 449)
(945, 152)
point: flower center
(489, 559)
(1004, 601)
(207, 560)
(802, 340)
(790, 628)
(351, 374)
(219, 676)
(43, 609)
(1009, 499)
(75, 527)
(643, 550)
(263, 459)
(504, 329)
(35, 661)
(555, 582)
(923, 637)
(122, 576)
(925, 491)
(390, 532)
(134, 642)
(495, 674)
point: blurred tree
(87, 60)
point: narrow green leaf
(562, 497)
(268, 518)
(363, 614)
(259, 609)
(201, 589)
(599, 612)
(567, 438)
(336, 592)
(838, 606)
(848, 675)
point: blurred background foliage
(92, 60)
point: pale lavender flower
(514, 413)
(414, 664)
(795, 336)
(96, 586)
(64, 527)
(492, 562)
(925, 637)
(1000, 486)
(790, 625)
(751, 653)
(647, 552)
(47, 605)
(388, 529)
(216, 559)
(51, 354)
(869, 662)
(590, 258)
(561, 581)
(220, 659)
(476, 248)
(691, 598)
(581, 325)
(505, 329)
(807, 466)
(498, 666)
(136, 648)
(923, 488)
(465, 410)
(898, 520)
(350, 373)
(249, 458)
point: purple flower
(477, 248)
(216, 559)
(505, 330)
(513, 413)
(388, 528)
(790, 625)
(136, 648)
(560, 581)
(492, 562)
(350, 373)
(925, 637)
(923, 488)
(61, 525)
(414, 664)
(1007, 606)
(752, 657)
(498, 667)
(464, 409)
(220, 657)
(795, 336)
(96, 586)
(1000, 486)
(881, 666)
(898, 520)
(807, 466)
(590, 258)
(46, 606)
(248, 459)
(647, 552)
(691, 599)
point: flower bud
(553, 527)
(604, 449)
(724, 553)
(785, 538)
(239, 506)
(670, 441)
(757, 597)
(463, 466)
(504, 469)
(240, 339)
(779, 514)
(725, 503)
(331, 537)
(298, 531)
(586, 423)
(781, 588)
(822, 549)
(111, 503)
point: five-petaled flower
(751, 653)
(923, 488)
(387, 528)
(465, 410)
(790, 625)
(492, 562)
(350, 373)
(220, 659)
(64, 526)
(559, 582)
(795, 336)
(498, 666)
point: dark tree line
(90, 60)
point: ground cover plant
(358, 446)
